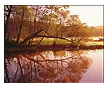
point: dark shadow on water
(46, 67)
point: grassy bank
(47, 44)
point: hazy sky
(92, 15)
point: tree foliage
(53, 21)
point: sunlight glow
(92, 15)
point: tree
(41, 21)
(7, 13)
(76, 30)
(22, 19)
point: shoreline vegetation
(48, 44)
(48, 48)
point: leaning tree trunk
(31, 36)
(35, 35)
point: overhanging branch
(31, 36)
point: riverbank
(33, 48)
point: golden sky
(92, 15)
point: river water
(82, 66)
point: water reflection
(47, 66)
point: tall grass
(51, 41)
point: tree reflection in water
(48, 67)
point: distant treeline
(96, 31)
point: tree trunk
(30, 31)
(18, 37)
(6, 24)
(35, 28)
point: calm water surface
(95, 73)
(55, 66)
